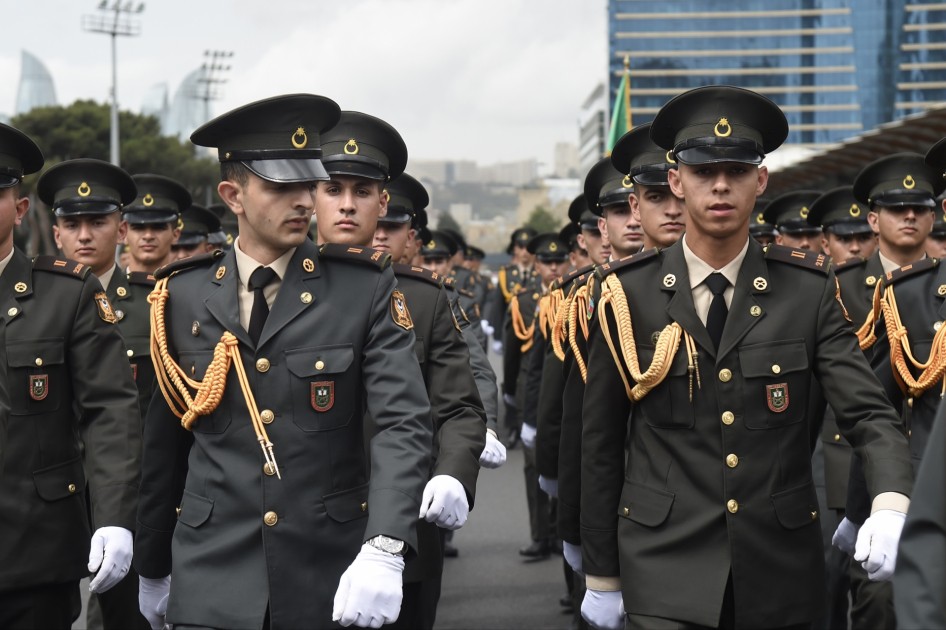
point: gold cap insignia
(760, 283)
(431, 245)
(84, 189)
(399, 312)
(855, 210)
(803, 213)
(221, 271)
(759, 218)
(351, 147)
(669, 157)
(553, 247)
(147, 200)
(121, 291)
(20, 287)
(386, 195)
(670, 280)
(627, 182)
(308, 265)
(908, 182)
(722, 129)
(299, 139)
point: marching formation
(282, 429)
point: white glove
(111, 550)
(527, 435)
(369, 593)
(497, 346)
(572, 555)
(876, 547)
(603, 609)
(494, 453)
(487, 328)
(548, 486)
(444, 502)
(153, 599)
(844, 536)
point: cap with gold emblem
(789, 212)
(19, 156)
(85, 186)
(405, 196)
(439, 245)
(277, 138)
(198, 224)
(758, 226)
(838, 212)
(569, 236)
(581, 215)
(548, 247)
(420, 220)
(606, 186)
(521, 237)
(901, 179)
(474, 253)
(160, 200)
(719, 123)
(363, 146)
(638, 156)
(457, 238)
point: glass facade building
(836, 67)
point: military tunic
(129, 296)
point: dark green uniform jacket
(129, 296)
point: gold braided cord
(176, 386)
(582, 298)
(523, 333)
(576, 314)
(612, 294)
(560, 326)
(548, 308)
(867, 333)
(931, 370)
(507, 294)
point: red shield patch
(39, 386)
(776, 396)
(322, 395)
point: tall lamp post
(114, 20)
(211, 77)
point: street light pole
(114, 26)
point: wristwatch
(388, 545)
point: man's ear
(673, 178)
(232, 194)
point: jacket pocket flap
(195, 509)
(347, 505)
(796, 507)
(306, 362)
(60, 481)
(645, 505)
(773, 359)
(35, 352)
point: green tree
(541, 220)
(447, 222)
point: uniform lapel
(872, 268)
(937, 296)
(222, 301)
(675, 279)
(19, 273)
(745, 310)
(296, 294)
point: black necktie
(716, 318)
(259, 279)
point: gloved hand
(572, 555)
(111, 550)
(548, 486)
(487, 328)
(444, 502)
(844, 536)
(494, 453)
(497, 346)
(369, 593)
(153, 599)
(876, 547)
(527, 435)
(603, 609)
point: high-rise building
(592, 129)
(36, 87)
(836, 67)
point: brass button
(269, 469)
(728, 417)
(910, 403)
(267, 416)
(270, 518)
(364, 506)
(776, 369)
(732, 460)
(732, 505)
(306, 297)
(755, 310)
(120, 314)
(725, 375)
(20, 287)
(262, 365)
(72, 488)
(837, 437)
(627, 511)
(39, 362)
(13, 311)
(320, 365)
(870, 281)
(130, 352)
(814, 515)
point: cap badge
(148, 200)
(722, 129)
(351, 147)
(803, 213)
(84, 190)
(180, 223)
(553, 247)
(386, 195)
(431, 245)
(855, 210)
(627, 182)
(299, 139)
(908, 182)
(669, 157)
(308, 265)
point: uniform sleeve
(549, 415)
(532, 383)
(569, 452)
(485, 378)
(107, 400)
(512, 356)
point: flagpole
(627, 91)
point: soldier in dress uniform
(284, 336)
(789, 214)
(154, 220)
(697, 504)
(71, 427)
(197, 224)
(936, 241)
(88, 232)
(607, 193)
(845, 232)
(761, 230)
(515, 276)
(577, 255)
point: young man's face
(901, 227)
(596, 246)
(521, 255)
(412, 250)
(800, 240)
(393, 238)
(438, 264)
(843, 247)
(90, 239)
(150, 244)
(549, 270)
(661, 215)
(578, 258)
(622, 230)
(273, 218)
(347, 209)
(719, 197)
(12, 210)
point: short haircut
(235, 172)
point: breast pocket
(194, 363)
(325, 390)
(37, 376)
(777, 380)
(668, 405)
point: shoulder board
(531, 294)
(853, 263)
(574, 273)
(627, 261)
(65, 266)
(192, 262)
(367, 255)
(910, 270)
(798, 257)
(466, 293)
(418, 272)
(141, 277)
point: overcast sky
(489, 80)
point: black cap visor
(85, 207)
(589, 226)
(189, 239)
(356, 166)
(903, 198)
(547, 257)
(396, 215)
(288, 171)
(714, 150)
(798, 227)
(652, 178)
(143, 217)
(848, 228)
(9, 178)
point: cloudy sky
(489, 80)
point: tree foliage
(541, 220)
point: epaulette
(627, 261)
(191, 262)
(574, 273)
(141, 277)
(535, 295)
(418, 272)
(65, 266)
(450, 283)
(851, 263)
(368, 255)
(466, 293)
(912, 269)
(798, 257)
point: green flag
(621, 112)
